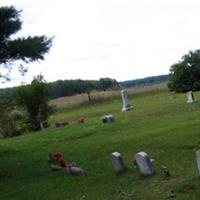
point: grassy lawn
(162, 124)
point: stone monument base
(190, 101)
(127, 108)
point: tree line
(63, 88)
(145, 81)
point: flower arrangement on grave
(57, 158)
(62, 162)
(59, 163)
(72, 169)
(62, 123)
(81, 120)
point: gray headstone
(118, 163)
(198, 159)
(126, 105)
(108, 119)
(144, 163)
(190, 97)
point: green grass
(162, 124)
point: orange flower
(62, 162)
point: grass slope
(162, 124)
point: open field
(97, 96)
(161, 123)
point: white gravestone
(118, 162)
(198, 159)
(108, 119)
(190, 97)
(144, 163)
(126, 105)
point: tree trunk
(89, 97)
(40, 121)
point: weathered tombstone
(198, 159)
(108, 119)
(190, 97)
(126, 105)
(144, 163)
(118, 162)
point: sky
(121, 39)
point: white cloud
(122, 39)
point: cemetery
(149, 152)
(91, 137)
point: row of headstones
(142, 161)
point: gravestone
(118, 163)
(190, 97)
(144, 163)
(198, 159)
(126, 105)
(108, 119)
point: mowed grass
(161, 123)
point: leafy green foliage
(63, 88)
(12, 123)
(11, 119)
(107, 83)
(34, 98)
(26, 49)
(185, 75)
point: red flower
(81, 120)
(62, 162)
(57, 154)
(64, 123)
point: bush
(12, 123)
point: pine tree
(25, 49)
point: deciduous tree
(34, 98)
(185, 75)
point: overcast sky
(121, 39)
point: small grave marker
(108, 119)
(144, 163)
(190, 97)
(198, 160)
(118, 162)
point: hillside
(161, 123)
(145, 81)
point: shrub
(12, 123)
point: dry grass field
(96, 96)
